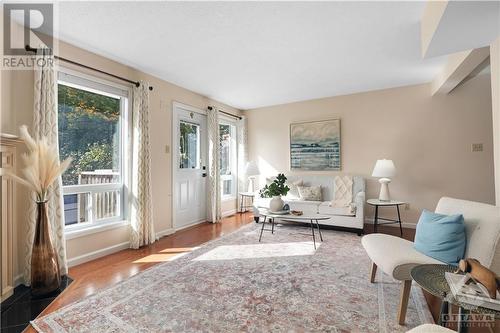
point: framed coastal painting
(315, 145)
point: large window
(228, 159)
(92, 120)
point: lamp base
(251, 184)
(384, 189)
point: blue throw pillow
(441, 237)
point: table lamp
(252, 170)
(384, 169)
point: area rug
(236, 284)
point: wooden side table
(243, 196)
(392, 203)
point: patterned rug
(235, 284)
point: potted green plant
(275, 190)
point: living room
(167, 125)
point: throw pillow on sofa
(310, 193)
(441, 237)
(293, 194)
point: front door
(190, 167)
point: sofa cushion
(441, 237)
(293, 194)
(393, 255)
(327, 209)
(310, 193)
(308, 207)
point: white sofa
(340, 217)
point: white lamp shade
(252, 169)
(384, 169)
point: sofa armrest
(359, 200)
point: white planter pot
(276, 204)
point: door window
(189, 145)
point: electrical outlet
(407, 206)
(476, 147)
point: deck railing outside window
(106, 204)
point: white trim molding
(93, 228)
(229, 212)
(97, 254)
(165, 232)
(111, 249)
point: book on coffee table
(466, 290)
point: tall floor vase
(45, 276)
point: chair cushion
(393, 255)
(430, 328)
(441, 237)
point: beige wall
(16, 109)
(495, 97)
(429, 139)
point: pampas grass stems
(42, 166)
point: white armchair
(396, 256)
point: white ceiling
(254, 54)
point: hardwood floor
(101, 273)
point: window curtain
(141, 207)
(242, 159)
(45, 125)
(214, 195)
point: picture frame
(315, 145)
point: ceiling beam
(460, 66)
(433, 12)
(453, 26)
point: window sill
(72, 233)
(224, 199)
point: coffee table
(311, 218)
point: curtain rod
(227, 113)
(136, 83)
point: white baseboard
(18, 280)
(165, 232)
(97, 254)
(229, 212)
(189, 225)
(109, 250)
(396, 225)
